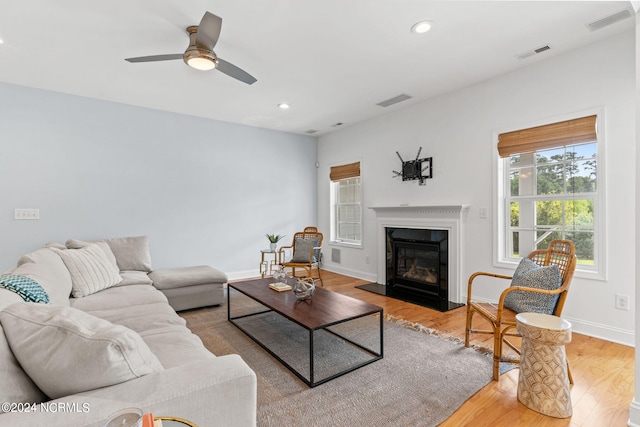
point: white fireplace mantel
(436, 217)
(427, 210)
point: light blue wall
(204, 191)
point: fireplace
(417, 265)
(426, 267)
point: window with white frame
(551, 189)
(346, 204)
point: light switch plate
(26, 214)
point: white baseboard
(634, 414)
(604, 332)
(252, 274)
(243, 275)
(372, 277)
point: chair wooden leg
(467, 331)
(320, 277)
(569, 373)
(497, 353)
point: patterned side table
(543, 382)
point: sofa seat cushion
(119, 297)
(172, 278)
(176, 348)
(152, 317)
(67, 351)
(162, 330)
(133, 277)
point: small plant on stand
(273, 240)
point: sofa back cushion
(45, 267)
(129, 253)
(132, 253)
(67, 351)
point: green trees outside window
(552, 195)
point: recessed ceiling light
(283, 106)
(421, 27)
(1, 41)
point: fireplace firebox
(417, 266)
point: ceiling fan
(200, 54)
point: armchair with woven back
(536, 286)
(305, 248)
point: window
(551, 189)
(346, 206)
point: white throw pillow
(78, 244)
(67, 351)
(90, 269)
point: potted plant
(273, 240)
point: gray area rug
(421, 381)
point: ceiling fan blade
(208, 31)
(237, 73)
(167, 57)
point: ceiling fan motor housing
(196, 57)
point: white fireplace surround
(450, 218)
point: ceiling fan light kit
(200, 55)
(199, 59)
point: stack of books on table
(280, 287)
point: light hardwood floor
(602, 371)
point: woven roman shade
(351, 170)
(553, 135)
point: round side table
(174, 422)
(543, 382)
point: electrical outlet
(367, 260)
(26, 214)
(483, 213)
(622, 302)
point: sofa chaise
(84, 333)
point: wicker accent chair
(501, 319)
(305, 247)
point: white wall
(634, 408)
(457, 130)
(204, 191)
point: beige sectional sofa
(107, 339)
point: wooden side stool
(543, 382)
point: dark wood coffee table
(324, 310)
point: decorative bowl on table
(304, 288)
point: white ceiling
(332, 60)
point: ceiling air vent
(310, 131)
(394, 100)
(532, 52)
(609, 20)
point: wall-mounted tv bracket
(419, 169)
